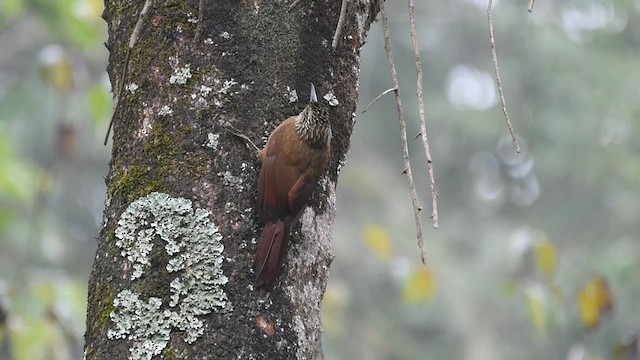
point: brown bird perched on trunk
(295, 157)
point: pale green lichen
(193, 245)
(228, 179)
(143, 322)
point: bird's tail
(272, 249)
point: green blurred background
(537, 255)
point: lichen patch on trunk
(192, 244)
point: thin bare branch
(531, 3)
(378, 97)
(196, 37)
(293, 5)
(403, 131)
(343, 15)
(423, 121)
(135, 34)
(231, 129)
(498, 80)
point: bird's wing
(274, 184)
(300, 194)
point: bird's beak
(313, 97)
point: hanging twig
(199, 26)
(343, 15)
(403, 131)
(132, 41)
(378, 97)
(531, 3)
(293, 5)
(423, 121)
(498, 81)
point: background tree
(172, 273)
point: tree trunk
(172, 276)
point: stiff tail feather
(272, 249)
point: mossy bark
(169, 137)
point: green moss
(136, 182)
(157, 162)
(161, 145)
(197, 166)
(114, 251)
(169, 354)
(106, 295)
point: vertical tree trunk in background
(173, 274)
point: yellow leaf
(594, 300)
(546, 257)
(421, 285)
(537, 307)
(379, 242)
(60, 75)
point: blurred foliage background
(538, 253)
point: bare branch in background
(403, 131)
(498, 80)
(423, 121)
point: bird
(294, 158)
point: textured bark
(179, 184)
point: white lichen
(192, 18)
(212, 141)
(292, 94)
(225, 35)
(193, 245)
(224, 89)
(215, 91)
(181, 75)
(333, 101)
(165, 110)
(205, 90)
(131, 88)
